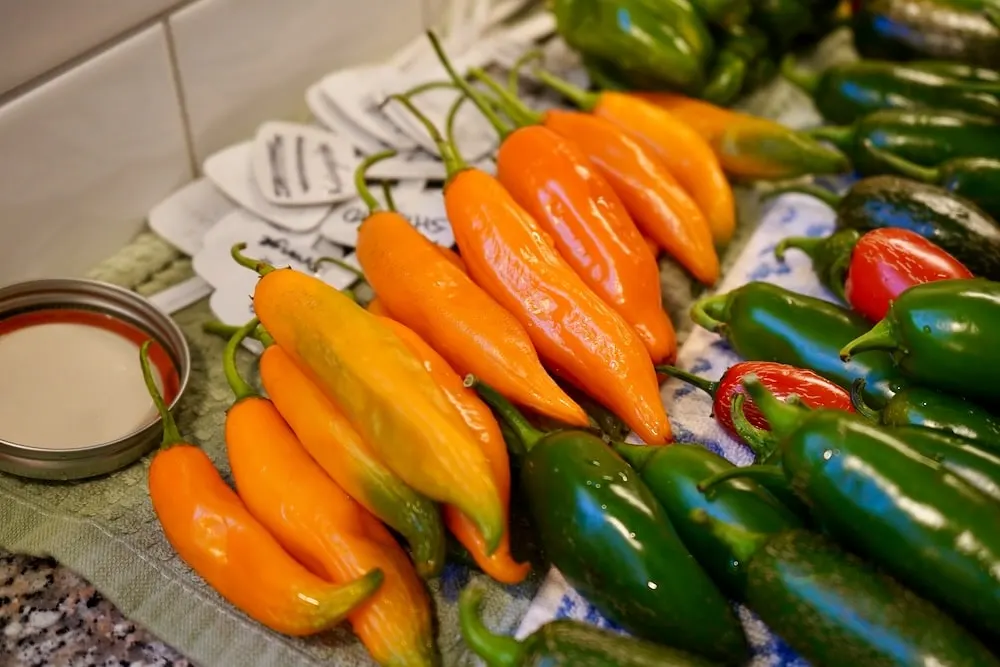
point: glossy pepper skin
(558, 186)
(665, 43)
(781, 379)
(938, 335)
(883, 264)
(673, 475)
(921, 407)
(601, 526)
(212, 531)
(685, 153)
(382, 389)
(749, 147)
(957, 70)
(899, 509)
(925, 137)
(977, 466)
(477, 416)
(352, 463)
(327, 531)
(846, 92)
(730, 73)
(562, 642)
(764, 322)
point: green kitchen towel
(105, 528)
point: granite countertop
(50, 617)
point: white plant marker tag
(413, 165)
(334, 120)
(299, 165)
(180, 296)
(423, 208)
(188, 214)
(231, 170)
(350, 92)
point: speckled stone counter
(50, 617)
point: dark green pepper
(957, 225)
(650, 41)
(845, 92)
(975, 178)
(765, 322)
(939, 335)
(903, 511)
(726, 14)
(830, 255)
(782, 20)
(916, 29)
(923, 137)
(563, 643)
(673, 474)
(920, 407)
(606, 533)
(836, 610)
(956, 70)
(743, 46)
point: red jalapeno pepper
(877, 267)
(781, 380)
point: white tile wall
(105, 105)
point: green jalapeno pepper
(920, 407)
(956, 70)
(831, 256)
(885, 500)
(606, 533)
(923, 137)
(563, 642)
(741, 49)
(940, 334)
(783, 20)
(765, 322)
(847, 91)
(726, 14)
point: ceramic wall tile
(245, 61)
(85, 156)
(39, 35)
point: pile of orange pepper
(368, 422)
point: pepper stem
(859, 403)
(841, 136)
(879, 337)
(709, 311)
(262, 268)
(806, 244)
(741, 542)
(452, 162)
(526, 433)
(390, 203)
(808, 82)
(515, 72)
(831, 199)
(517, 110)
(241, 388)
(902, 165)
(637, 456)
(767, 474)
(359, 179)
(171, 434)
(484, 107)
(706, 386)
(578, 96)
(449, 124)
(226, 331)
(761, 442)
(782, 417)
(496, 650)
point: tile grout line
(182, 106)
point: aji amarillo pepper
(423, 290)
(382, 389)
(558, 186)
(684, 152)
(656, 201)
(576, 333)
(211, 529)
(748, 146)
(328, 532)
(477, 416)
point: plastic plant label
(188, 214)
(297, 165)
(423, 208)
(350, 91)
(334, 120)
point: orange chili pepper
(377, 307)
(382, 389)
(580, 336)
(454, 315)
(452, 257)
(212, 531)
(749, 146)
(500, 565)
(653, 247)
(332, 535)
(686, 154)
(653, 197)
